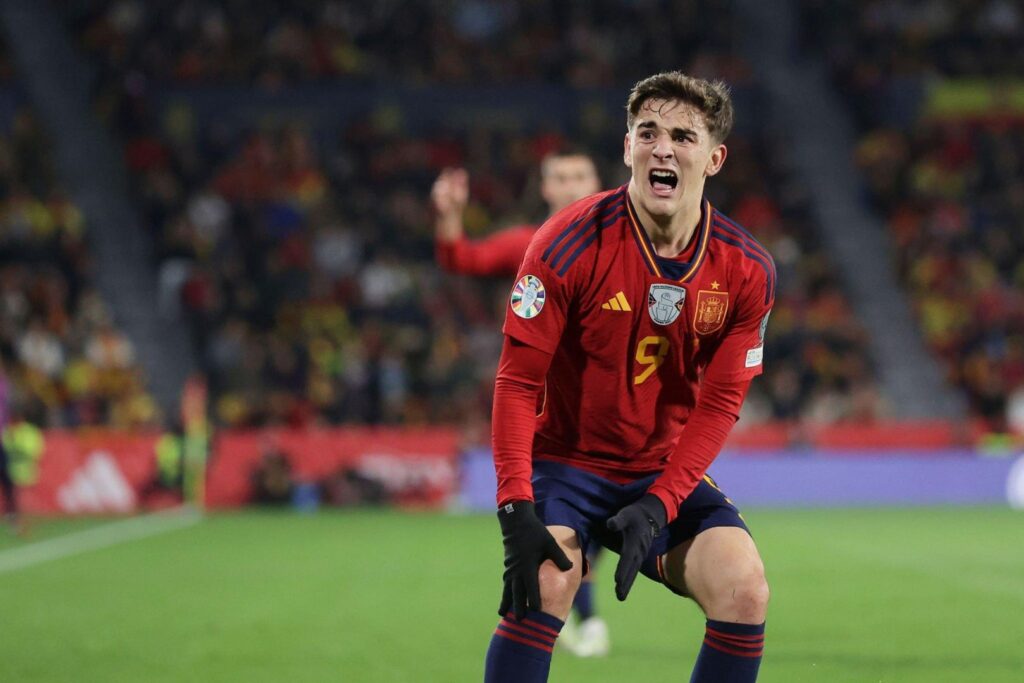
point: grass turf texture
(858, 595)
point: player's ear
(716, 160)
(625, 151)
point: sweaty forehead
(671, 114)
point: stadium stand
(945, 175)
(72, 366)
(223, 42)
(301, 253)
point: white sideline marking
(104, 536)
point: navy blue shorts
(568, 496)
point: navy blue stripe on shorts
(568, 496)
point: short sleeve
(740, 355)
(538, 305)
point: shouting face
(671, 153)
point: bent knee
(741, 597)
(556, 582)
(558, 588)
(750, 598)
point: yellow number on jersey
(652, 361)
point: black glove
(527, 544)
(639, 523)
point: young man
(632, 336)
(566, 176)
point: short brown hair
(711, 98)
(566, 152)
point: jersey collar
(668, 268)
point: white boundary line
(104, 536)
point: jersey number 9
(645, 357)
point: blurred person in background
(566, 176)
(637, 323)
(166, 485)
(11, 515)
(272, 480)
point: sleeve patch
(754, 357)
(528, 297)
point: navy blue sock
(731, 653)
(520, 651)
(584, 601)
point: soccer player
(631, 338)
(566, 176)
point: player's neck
(670, 235)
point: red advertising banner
(89, 472)
(343, 465)
(103, 472)
(882, 435)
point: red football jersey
(497, 254)
(633, 334)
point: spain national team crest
(711, 308)
(665, 303)
(528, 297)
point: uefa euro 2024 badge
(665, 303)
(528, 297)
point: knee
(741, 596)
(750, 597)
(558, 588)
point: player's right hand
(450, 193)
(528, 543)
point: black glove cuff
(513, 513)
(654, 510)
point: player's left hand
(639, 523)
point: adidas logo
(617, 303)
(98, 486)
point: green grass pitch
(902, 595)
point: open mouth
(663, 182)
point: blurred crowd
(817, 368)
(303, 260)
(577, 44)
(883, 46)
(309, 282)
(950, 186)
(69, 365)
